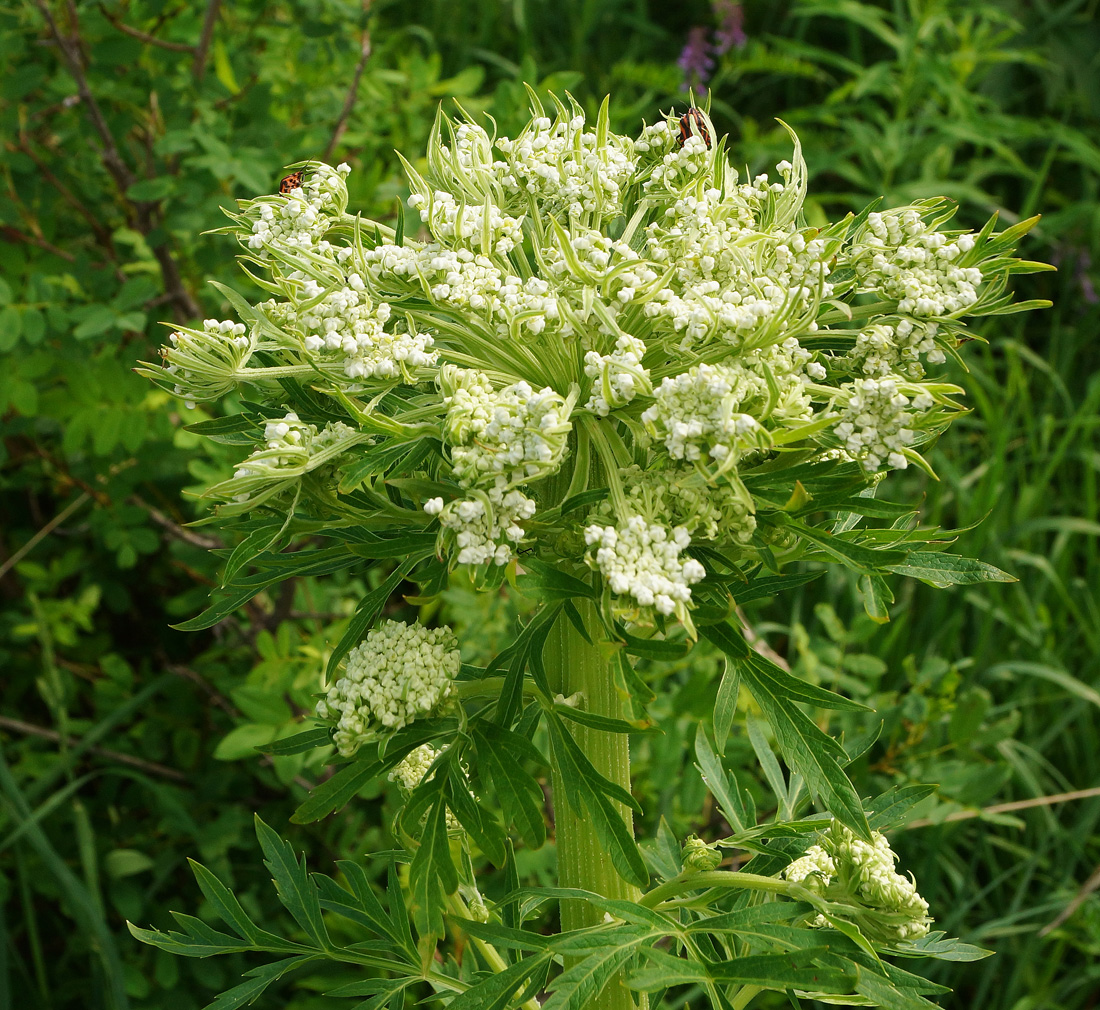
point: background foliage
(128, 747)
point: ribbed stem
(574, 666)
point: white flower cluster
(452, 222)
(290, 444)
(732, 281)
(883, 349)
(565, 168)
(397, 674)
(843, 867)
(204, 364)
(470, 281)
(680, 167)
(876, 426)
(707, 411)
(507, 436)
(643, 561)
(620, 375)
(343, 324)
(410, 772)
(486, 525)
(301, 218)
(897, 254)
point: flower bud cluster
(884, 349)
(642, 561)
(708, 414)
(681, 496)
(564, 168)
(875, 425)
(411, 771)
(897, 254)
(397, 674)
(861, 875)
(514, 433)
(343, 325)
(468, 281)
(620, 375)
(733, 282)
(205, 364)
(301, 218)
(452, 223)
(485, 526)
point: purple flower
(1088, 290)
(695, 60)
(731, 26)
(697, 57)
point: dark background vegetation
(128, 747)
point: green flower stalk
(608, 370)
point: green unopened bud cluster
(859, 878)
(399, 673)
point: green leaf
(11, 326)
(300, 743)
(860, 558)
(576, 988)
(942, 570)
(121, 863)
(244, 740)
(587, 790)
(432, 874)
(793, 970)
(780, 682)
(725, 705)
(545, 582)
(813, 754)
(248, 991)
(890, 808)
(940, 946)
(520, 795)
(150, 190)
(296, 891)
(496, 991)
(335, 792)
(715, 778)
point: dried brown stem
(17, 237)
(174, 529)
(144, 213)
(353, 90)
(151, 767)
(198, 67)
(137, 33)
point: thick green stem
(575, 666)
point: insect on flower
(693, 115)
(294, 181)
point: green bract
(639, 388)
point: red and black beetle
(694, 116)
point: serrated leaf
(432, 874)
(296, 890)
(812, 753)
(520, 795)
(300, 743)
(576, 988)
(889, 808)
(716, 780)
